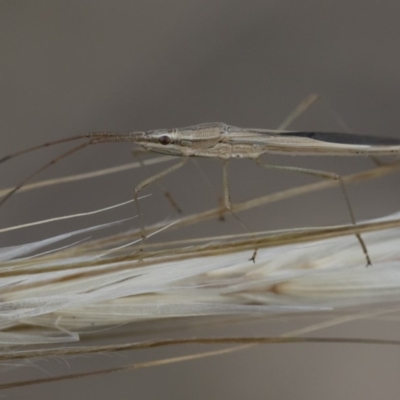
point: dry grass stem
(55, 297)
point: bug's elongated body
(225, 141)
(219, 140)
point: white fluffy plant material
(86, 286)
(50, 297)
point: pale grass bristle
(51, 297)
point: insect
(219, 140)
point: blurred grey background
(69, 67)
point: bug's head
(161, 141)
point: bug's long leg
(50, 163)
(300, 109)
(211, 186)
(167, 194)
(325, 175)
(305, 104)
(380, 163)
(148, 182)
(140, 153)
(227, 203)
(225, 185)
(297, 112)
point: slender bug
(219, 140)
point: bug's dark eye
(164, 140)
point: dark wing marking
(345, 138)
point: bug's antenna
(53, 161)
(95, 138)
(41, 146)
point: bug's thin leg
(139, 153)
(212, 187)
(150, 181)
(325, 175)
(297, 112)
(300, 109)
(205, 177)
(225, 200)
(380, 163)
(167, 194)
(227, 206)
(305, 104)
(225, 185)
(347, 129)
(221, 216)
(50, 163)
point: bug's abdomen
(226, 151)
